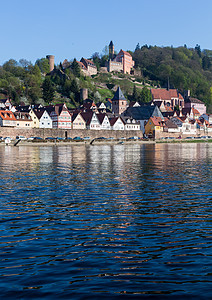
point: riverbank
(191, 140)
(70, 143)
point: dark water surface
(106, 222)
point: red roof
(195, 111)
(164, 94)
(7, 115)
(157, 121)
(81, 65)
(125, 53)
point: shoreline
(113, 142)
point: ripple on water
(106, 221)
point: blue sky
(32, 29)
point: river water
(106, 222)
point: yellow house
(23, 119)
(153, 124)
(78, 122)
(35, 120)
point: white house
(45, 120)
(104, 121)
(91, 119)
(131, 124)
(117, 123)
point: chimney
(51, 62)
(187, 94)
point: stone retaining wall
(162, 134)
(49, 132)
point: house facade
(44, 118)
(77, 121)
(117, 123)
(104, 121)
(23, 120)
(35, 120)
(195, 104)
(7, 119)
(61, 118)
(92, 121)
(88, 67)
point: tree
(48, 90)
(206, 63)
(96, 60)
(137, 47)
(43, 65)
(74, 86)
(26, 64)
(75, 68)
(135, 95)
(146, 95)
(198, 50)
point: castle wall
(115, 66)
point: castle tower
(111, 50)
(83, 94)
(119, 102)
(51, 62)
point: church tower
(119, 102)
(111, 50)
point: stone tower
(51, 62)
(119, 102)
(111, 50)
(83, 94)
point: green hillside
(184, 69)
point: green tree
(137, 47)
(48, 90)
(146, 95)
(206, 63)
(136, 94)
(43, 65)
(75, 68)
(198, 50)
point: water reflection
(88, 221)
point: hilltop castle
(122, 62)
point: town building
(23, 119)
(117, 123)
(44, 118)
(143, 113)
(77, 121)
(104, 121)
(130, 123)
(195, 103)
(169, 98)
(154, 124)
(6, 104)
(87, 67)
(119, 102)
(91, 119)
(7, 119)
(122, 62)
(61, 118)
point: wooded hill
(183, 68)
